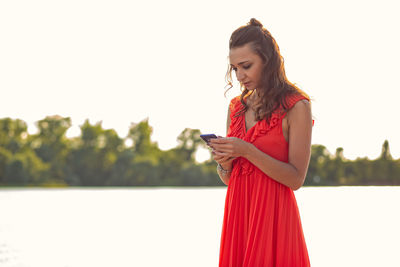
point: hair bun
(254, 22)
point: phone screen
(207, 137)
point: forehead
(242, 54)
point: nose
(240, 75)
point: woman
(264, 157)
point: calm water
(343, 226)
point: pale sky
(123, 61)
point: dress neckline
(246, 131)
(244, 119)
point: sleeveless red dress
(261, 225)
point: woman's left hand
(230, 146)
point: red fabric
(261, 225)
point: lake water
(81, 227)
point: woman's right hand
(226, 164)
(224, 161)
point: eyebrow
(241, 63)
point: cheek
(258, 74)
(254, 75)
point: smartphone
(207, 137)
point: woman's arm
(225, 162)
(291, 174)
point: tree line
(99, 157)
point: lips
(246, 84)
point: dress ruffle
(259, 129)
(262, 127)
(235, 127)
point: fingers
(222, 154)
(225, 144)
(217, 157)
(222, 160)
(222, 157)
(222, 148)
(219, 140)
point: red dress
(261, 225)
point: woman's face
(247, 66)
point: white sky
(123, 61)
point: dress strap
(292, 100)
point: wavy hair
(275, 87)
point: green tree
(140, 136)
(122, 172)
(5, 159)
(336, 168)
(93, 156)
(13, 134)
(316, 174)
(25, 169)
(385, 155)
(52, 146)
(384, 167)
(188, 142)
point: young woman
(264, 157)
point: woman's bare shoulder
(300, 109)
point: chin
(248, 88)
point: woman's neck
(251, 98)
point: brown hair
(275, 86)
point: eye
(235, 69)
(247, 67)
